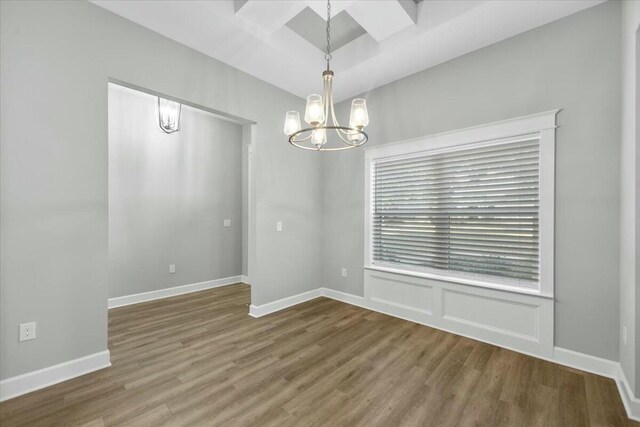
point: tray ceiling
(375, 41)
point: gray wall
(629, 201)
(56, 59)
(637, 251)
(169, 195)
(573, 64)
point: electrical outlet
(172, 268)
(279, 226)
(227, 223)
(27, 331)
(344, 272)
(624, 335)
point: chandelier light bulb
(291, 123)
(169, 115)
(319, 137)
(314, 112)
(359, 115)
(354, 137)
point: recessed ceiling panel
(375, 41)
(311, 27)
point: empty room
(319, 213)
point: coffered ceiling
(374, 41)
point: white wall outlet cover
(344, 272)
(279, 226)
(27, 331)
(227, 223)
(172, 268)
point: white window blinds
(471, 211)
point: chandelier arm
(293, 140)
(327, 102)
(346, 141)
(333, 113)
(335, 122)
(339, 128)
(340, 131)
(301, 131)
(329, 95)
(348, 145)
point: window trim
(541, 125)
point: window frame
(540, 125)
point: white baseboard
(170, 292)
(35, 380)
(584, 362)
(344, 297)
(281, 304)
(245, 279)
(605, 368)
(630, 401)
(31, 381)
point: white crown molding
(35, 380)
(177, 290)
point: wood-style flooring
(199, 359)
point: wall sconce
(169, 115)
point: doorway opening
(180, 201)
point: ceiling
(374, 41)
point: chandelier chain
(328, 55)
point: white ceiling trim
(256, 41)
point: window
(453, 208)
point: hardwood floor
(199, 359)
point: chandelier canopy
(321, 117)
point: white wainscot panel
(517, 321)
(499, 315)
(407, 297)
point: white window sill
(459, 280)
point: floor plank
(199, 359)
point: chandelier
(169, 115)
(321, 117)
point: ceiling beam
(382, 19)
(237, 4)
(268, 16)
(320, 6)
(411, 8)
